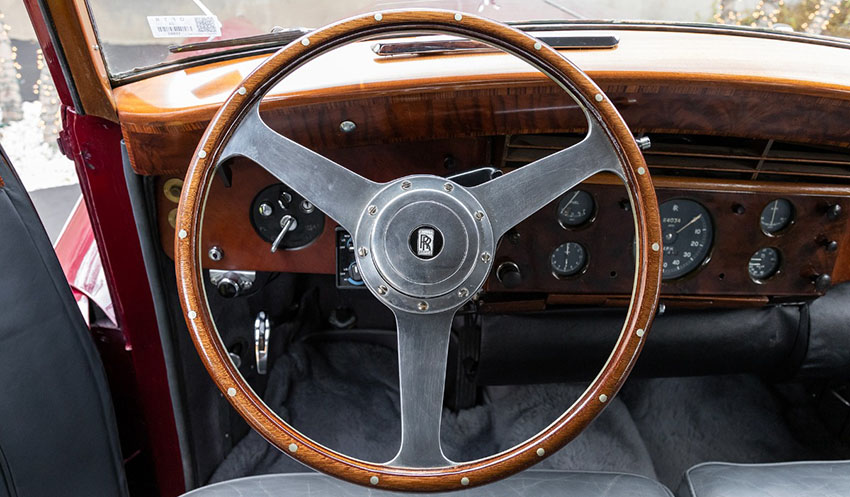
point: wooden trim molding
(738, 86)
(462, 475)
(76, 34)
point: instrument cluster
(721, 240)
(727, 240)
(688, 232)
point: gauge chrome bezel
(792, 218)
(584, 224)
(578, 272)
(709, 252)
(780, 259)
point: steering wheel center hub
(423, 238)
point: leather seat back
(58, 434)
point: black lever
(475, 177)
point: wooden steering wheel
(424, 246)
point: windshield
(135, 36)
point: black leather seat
(536, 482)
(793, 479)
(57, 428)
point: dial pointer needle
(565, 210)
(692, 221)
(775, 206)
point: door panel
(57, 427)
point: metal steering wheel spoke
(334, 189)
(511, 198)
(423, 348)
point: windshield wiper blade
(281, 36)
(278, 36)
(453, 45)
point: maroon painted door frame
(95, 146)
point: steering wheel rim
(414, 306)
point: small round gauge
(568, 259)
(688, 233)
(576, 208)
(764, 263)
(776, 216)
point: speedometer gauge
(688, 234)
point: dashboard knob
(833, 212)
(509, 274)
(823, 282)
(228, 288)
(354, 272)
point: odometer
(688, 234)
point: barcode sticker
(184, 26)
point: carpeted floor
(345, 395)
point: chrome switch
(287, 224)
(262, 327)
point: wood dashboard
(442, 115)
(734, 206)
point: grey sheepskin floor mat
(345, 396)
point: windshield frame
(244, 51)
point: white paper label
(184, 26)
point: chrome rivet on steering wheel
(374, 480)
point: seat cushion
(536, 483)
(793, 479)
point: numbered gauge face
(576, 208)
(776, 216)
(764, 264)
(568, 259)
(688, 233)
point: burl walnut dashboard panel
(807, 248)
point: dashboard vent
(709, 157)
